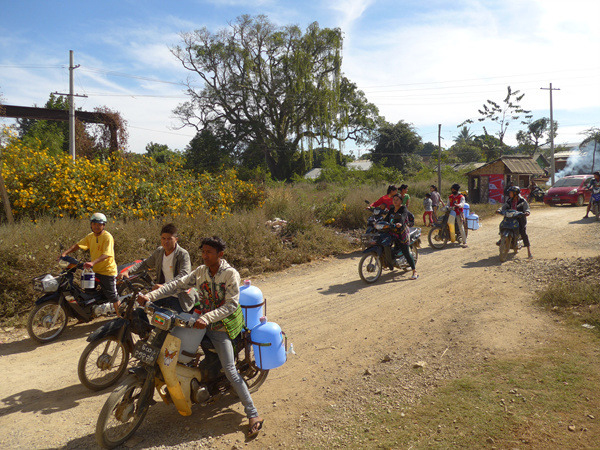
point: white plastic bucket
(88, 279)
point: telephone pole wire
(552, 167)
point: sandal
(255, 429)
(414, 277)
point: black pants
(171, 303)
(523, 229)
(405, 251)
(108, 284)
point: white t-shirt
(167, 267)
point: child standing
(428, 210)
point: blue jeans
(224, 348)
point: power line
(482, 78)
(126, 75)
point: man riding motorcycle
(515, 202)
(456, 201)
(594, 185)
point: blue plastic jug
(252, 303)
(267, 344)
(466, 209)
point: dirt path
(465, 306)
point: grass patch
(547, 399)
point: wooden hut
(487, 183)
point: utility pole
(552, 167)
(439, 156)
(71, 96)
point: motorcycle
(63, 298)
(374, 257)
(105, 358)
(510, 238)
(163, 366)
(537, 194)
(439, 235)
(377, 214)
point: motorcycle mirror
(367, 202)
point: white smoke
(581, 162)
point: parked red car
(570, 189)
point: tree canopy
(275, 87)
(536, 135)
(396, 145)
(503, 113)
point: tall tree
(161, 153)
(396, 146)
(208, 152)
(503, 113)
(592, 135)
(273, 86)
(464, 136)
(536, 135)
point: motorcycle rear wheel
(370, 263)
(95, 370)
(505, 244)
(441, 240)
(41, 324)
(120, 416)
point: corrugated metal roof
(522, 164)
(516, 164)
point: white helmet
(98, 218)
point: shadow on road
(487, 262)
(590, 219)
(357, 285)
(27, 344)
(163, 426)
(38, 401)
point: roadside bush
(123, 186)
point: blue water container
(267, 344)
(466, 209)
(473, 222)
(252, 303)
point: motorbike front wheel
(102, 363)
(414, 251)
(505, 244)
(437, 238)
(369, 267)
(47, 321)
(121, 414)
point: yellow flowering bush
(130, 186)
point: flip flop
(253, 432)
(415, 277)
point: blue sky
(424, 62)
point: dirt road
(465, 305)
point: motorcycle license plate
(145, 352)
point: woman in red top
(386, 200)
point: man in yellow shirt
(101, 245)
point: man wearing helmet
(515, 202)
(456, 201)
(101, 245)
(594, 185)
